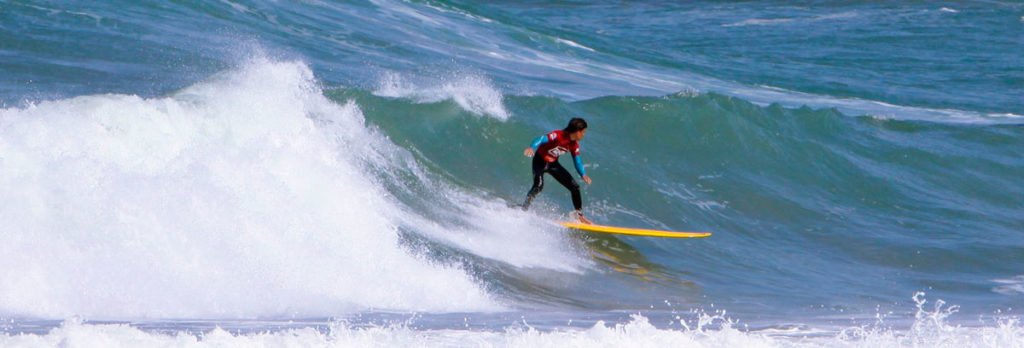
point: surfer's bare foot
(583, 219)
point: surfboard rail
(632, 231)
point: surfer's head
(576, 129)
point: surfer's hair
(575, 124)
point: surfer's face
(578, 135)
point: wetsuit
(547, 148)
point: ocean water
(238, 173)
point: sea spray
(695, 329)
(473, 93)
(226, 199)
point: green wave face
(785, 190)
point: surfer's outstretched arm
(577, 161)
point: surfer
(547, 148)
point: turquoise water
(340, 173)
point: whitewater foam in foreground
(929, 330)
(244, 196)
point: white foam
(696, 196)
(242, 196)
(455, 10)
(481, 225)
(238, 7)
(573, 44)
(765, 95)
(509, 235)
(758, 21)
(1013, 286)
(774, 21)
(472, 93)
(706, 331)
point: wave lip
(243, 196)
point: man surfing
(547, 149)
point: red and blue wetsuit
(547, 148)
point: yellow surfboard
(633, 231)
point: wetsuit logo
(557, 151)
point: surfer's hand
(528, 152)
(586, 179)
